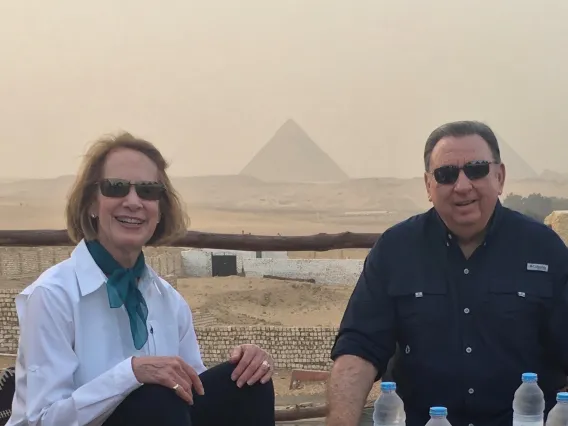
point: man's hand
(349, 385)
(253, 364)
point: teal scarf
(122, 289)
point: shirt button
(466, 271)
(466, 311)
(471, 391)
(468, 350)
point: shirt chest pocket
(525, 297)
(420, 305)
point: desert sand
(236, 204)
(262, 301)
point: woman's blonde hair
(173, 222)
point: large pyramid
(517, 167)
(291, 156)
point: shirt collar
(492, 226)
(91, 278)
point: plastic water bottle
(558, 416)
(528, 402)
(438, 417)
(389, 408)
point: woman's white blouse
(74, 357)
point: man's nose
(463, 183)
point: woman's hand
(254, 364)
(171, 372)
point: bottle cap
(562, 396)
(388, 386)
(438, 411)
(529, 377)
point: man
(469, 295)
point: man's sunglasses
(474, 170)
(119, 188)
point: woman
(103, 339)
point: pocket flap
(530, 284)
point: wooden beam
(300, 413)
(316, 242)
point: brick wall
(16, 262)
(291, 347)
(9, 330)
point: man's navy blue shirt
(462, 331)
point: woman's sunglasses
(119, 188)
(474, 170)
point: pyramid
(517, 167)
(292, 156)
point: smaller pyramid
(517, 167)
(292, 156)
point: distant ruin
(292, 156)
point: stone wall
(558, 220)
(17, 262)
(197, 263)
(323, 271)
(291, 347)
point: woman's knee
(149, 405)
(265, 391)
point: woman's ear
(93, 211)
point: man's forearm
(349, 384)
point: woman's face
(127, 219)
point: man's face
(467, 204)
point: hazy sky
(211, 81)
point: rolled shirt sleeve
(46, 381)
(367, 329)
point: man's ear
(427, 184)
(501, 173)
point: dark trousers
(223, 404)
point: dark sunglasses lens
(114, 188)
(149, 191)
(446, 175)
(476, 171)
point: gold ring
(176, 387)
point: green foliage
(536, 206)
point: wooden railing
(316, 242)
